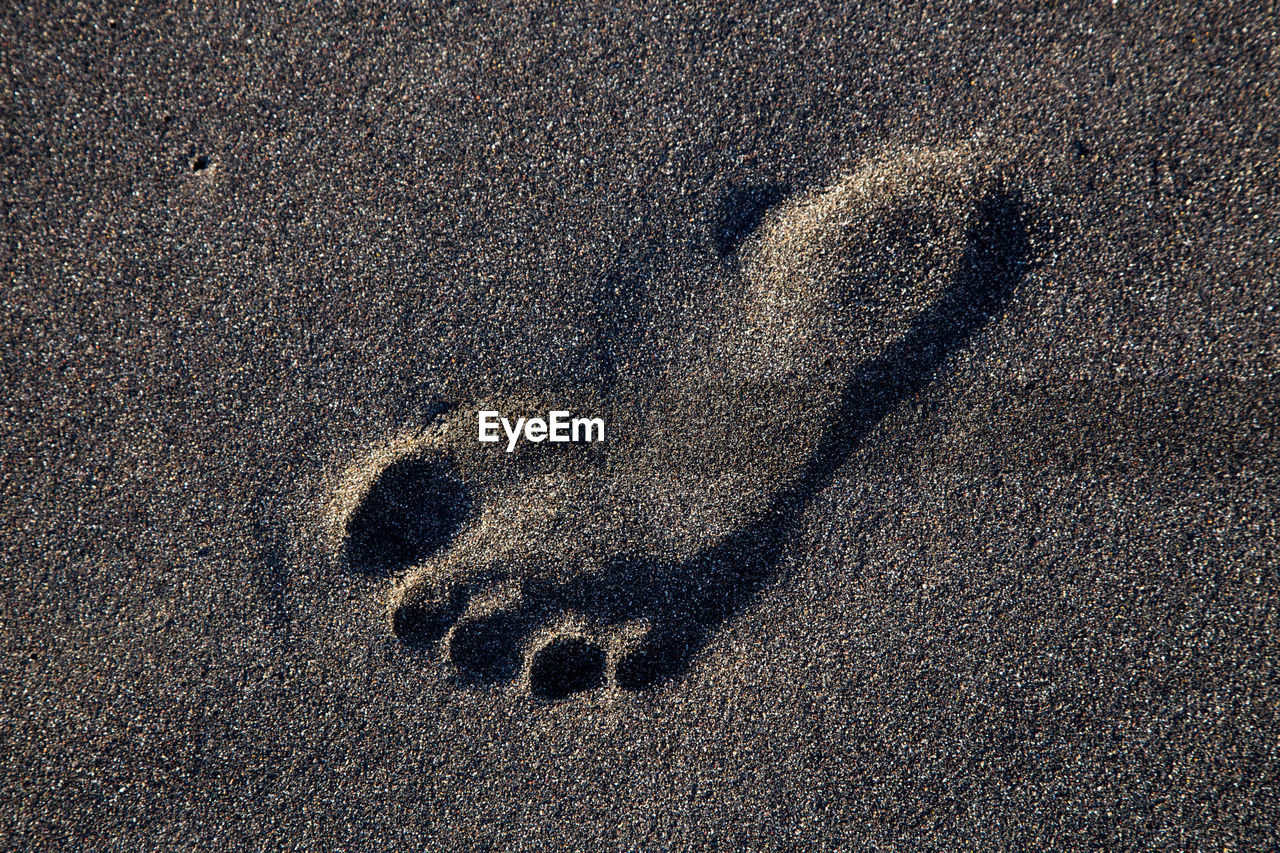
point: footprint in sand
(576, 571)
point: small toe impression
(488, 647)
(422, 624)
(566, 666)
(413, 508)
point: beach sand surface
(1026, 600)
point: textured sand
(1032, 605)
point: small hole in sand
(199, 164)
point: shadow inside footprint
(686, 602)
(566, 666)
(411, 511)
(484, 648)
(421, 625)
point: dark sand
(1026, 600)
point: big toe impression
(403, 511)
